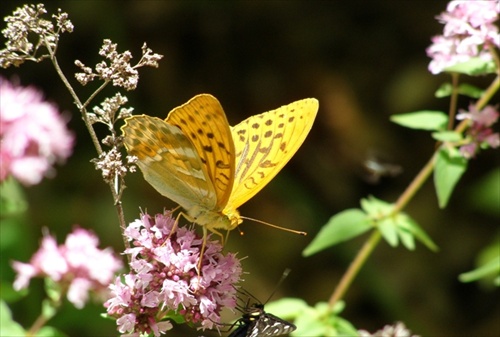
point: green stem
(488, 94)
(39, 323)
(354, 268)
(415, 185)
(453, 100)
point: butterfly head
(227, 220)
(233, 215)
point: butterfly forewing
(265, 143)
(169, 161)
(196, 159)
(203, 121)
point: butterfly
(255, 322)
(195, 158)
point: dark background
(364, 61)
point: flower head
(397, 330)
(469, 32)
(480, 134)
(165, 280)
(77, 266)
(33, 136)
(28, 33)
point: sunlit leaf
(448, 171)
(341, 227)
(447, 136)
(445, 90)
(470, 90)
(388, 229)
(423, 120)
(409, 225)
(474, 66)
(485, 194)
(9, 327)
(490, 268)
(287, 308)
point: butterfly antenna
(275, 226)
(283, 277)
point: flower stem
(354, 268)
(93, 135)
(39, 323)
(488, 94)
(453, 100)
(415, 185)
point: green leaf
(48, 331)
(49, 310)
(287, 308)
(397, 226)
(484, 196)
(424, 120)
(472, 67)
(488, 266)
(470, 90)
(9, 327)
(320, 320)
(388, 229)
(406, 223)
(376, 208)
(9, 294)
(174, 316)
(12, 198)
(491, 268)
(406, 237)
(445, 90)
(447, 136)
(448, 170)
(341, 227)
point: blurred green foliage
(364, 61)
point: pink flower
(479, 134)
(469, 32)
(78, 266)
(33, 135)
(165, 280)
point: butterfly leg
(176, 223)
(204, 244)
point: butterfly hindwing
(196, 159)
(169, 161)
(264, 143)
(203, 121)
(270, 325)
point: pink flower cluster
(480, 133)
(77, 266)
(165, 281)
(33, 135)
(468, 32)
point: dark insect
(255, 322)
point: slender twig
(488, 94)
(93, 136)
(415, 185)
(354, 268)
(37, 325)
(453, 100)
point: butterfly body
(255, 322)
(195, 158)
